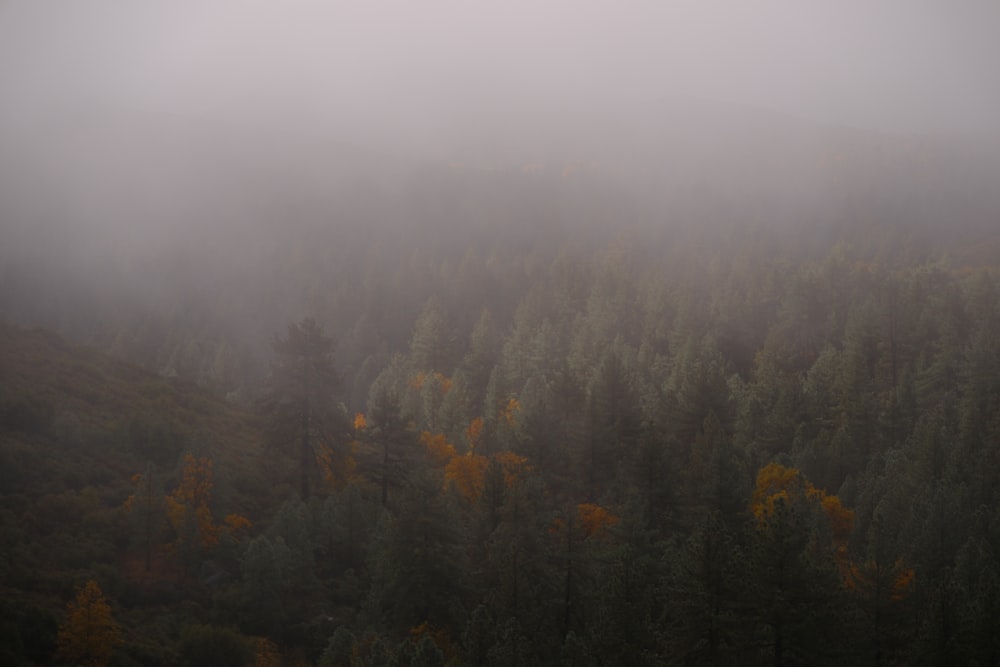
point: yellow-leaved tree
(89, 635)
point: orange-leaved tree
(338, 465)
(595, 519)
(511, 411)
(437, 447)
(799, 544)
(474, 434)
(189, 508)
(89, 634)
(513, 466)
(777, 484)
(188, 505)
(467, 473)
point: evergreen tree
(794, 595)
(300, 396)
(484, 351)
(705, 589)
(433, 344)
(415, 565)
(387, 431)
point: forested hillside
(658, 446)
(499, 334)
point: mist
(139, 141)
(893, 66)
(468, 333)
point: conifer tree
(300, 396)
(433, 342)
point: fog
(409, 67)
(515, 332)
(174, 150)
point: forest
(647, 447)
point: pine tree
(433, 342)
(704, 592)
(300, 396)
(387, 431)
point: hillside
(79, 401)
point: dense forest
(538, 442)
(499, 334)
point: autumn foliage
(188, 506)
(437, 447)
(511, 410)
(466, 473)
(189, 503)
(89, 635)
(873, 579)
(360, 422)
(444, 382)
(474, 433)
(778, 484)
(595, 519)
(338, 465)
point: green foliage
(265, 566)
(26, 413)
(208, 646)
(416, 571)
(299, 400)
(647, 385)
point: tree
(145, 506)
(880, 587)
(265, 565)
(89, 635)
(795, 594)
(703, 585)
(484, 350)
(415, 565)
(300, 394)
(614, 420)
(386, 427)
(433, 340)
(188, 507)
(207, 646)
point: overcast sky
(909, 66)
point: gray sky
(910, 66)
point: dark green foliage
(433, 343)
(24, 412)
(415, 566)
(794, 594)
(390, 440)
(338, 650)
(265, 567)
(706, 597)
(207, 646)
(649, 384)
(300, 398)
(156, 439)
